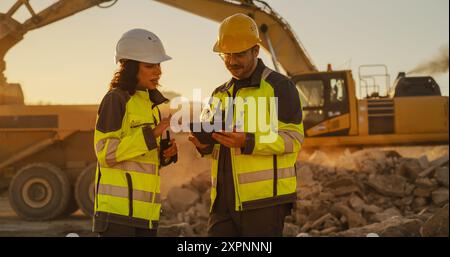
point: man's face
(241, 65)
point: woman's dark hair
(126, 77)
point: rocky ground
(380, 192)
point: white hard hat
(141, 45)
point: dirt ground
(12, 226)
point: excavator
(47, 149)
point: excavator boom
(55, 12)
(12, 32)
(277, 36)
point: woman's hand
(171, 151)
(161, 127)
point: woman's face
(149, 75)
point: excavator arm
(277, 36)
(12, 32)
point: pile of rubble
(369, 192)
(354, 194)
(185, 210)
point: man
(253, 178)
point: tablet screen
(203, 131)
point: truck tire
(84, 189)
(72, 206)
(39, 191)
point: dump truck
(47, 149)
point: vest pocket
(130, 194)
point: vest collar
(156, 97)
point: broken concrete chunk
(305, 176)
(181, 198)
(372, 209)
(421, 192)
(433, 165)
(387, 214)
(290, 230)
(436, 225)
(175, 230)
(347, 190)
(423, 161)
(426, 183)
(393, 227)
(409, 168)
(341, 182)
(391, 185)
(353, 218)
(440, 196)
(202, 182)
(441, 176)
(356, 203)
(321, 220)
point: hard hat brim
(145, 60)
(218, 49)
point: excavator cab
(326, 102)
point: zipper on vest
(233, 170)
(98, 184)
(236, 185)
(130, 194)
(275, 175)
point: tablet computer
(203, 131)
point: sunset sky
(71, 61)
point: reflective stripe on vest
(100, 145)
(266, 73)
(262, 175)
(214, 182)
(288, 137)
(215, 154)
(138, 195)
(110, 158)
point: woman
(127, 140)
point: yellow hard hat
(237, 33)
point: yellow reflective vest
(127, 178)
(264, 171)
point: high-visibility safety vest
(127, 177)
(264, 172)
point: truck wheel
(39, 191)
(84, 189)
(72, 206)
